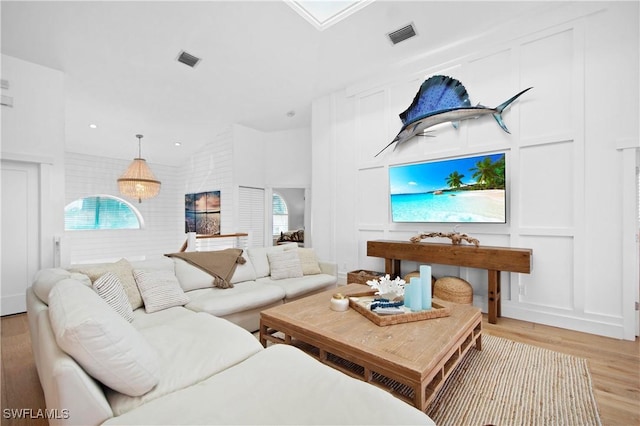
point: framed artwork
(202, 213)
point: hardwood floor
(614, 366)
(20, 384)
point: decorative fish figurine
(442, 99)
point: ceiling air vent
(402, 34)
(188, 59)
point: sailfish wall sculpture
(443, 99)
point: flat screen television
(458, 190)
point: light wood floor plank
(614, 366)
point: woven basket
(453, 289)
(361, 276)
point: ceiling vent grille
(188, 59)
(402, 34)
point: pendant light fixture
(138, 181)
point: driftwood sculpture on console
(456, 238)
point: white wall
(33, 132)
(223, 165)
(163, 230)
(287, 158)
(249, 163)
(242, 156)
(211, 169)
(564, 168)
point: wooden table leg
(392, 267)
(494, 296)
(263, 333)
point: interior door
(251, 204)
(20, 232)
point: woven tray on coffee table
(361, 305)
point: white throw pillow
(309, 261)
(258, 256)
(108, 347)
(110, 288)
(284, 264)
(159, 289)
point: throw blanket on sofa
(221, 263)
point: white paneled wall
(211, 169)
(224, 165)
(563, 168)
(163, 230)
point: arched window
(101, 212)
(280, 215)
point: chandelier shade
(138, 181)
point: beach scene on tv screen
(470, 189)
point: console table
(493, 259)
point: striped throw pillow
(110, 288)
(159, 289)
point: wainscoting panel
(371, 127)
(364, 261)
(550, 283)
(547, 64)
(546, 191)
(372, 195)
(489, 81)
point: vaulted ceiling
(260, 61)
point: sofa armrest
(78, 399)
(329, 268)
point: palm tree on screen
(454, 180)
(484, 172)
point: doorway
(20, 232)
(288, 214)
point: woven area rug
(510, 383)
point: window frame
(96, 212)
(273, 215)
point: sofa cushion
(297, 287)
(122, 269)
(106, 345)
(191, 277)
(243, 296)
(309, 261)
(253, 392)
(111, 290)
(244, 271)
(142, 320)
(46, 278)
(159, 289)
(284, 264)
(191, 349)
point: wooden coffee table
(410, 360)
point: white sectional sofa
(186, 362)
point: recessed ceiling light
(178, 144)
(291, 113)
(93, 126)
